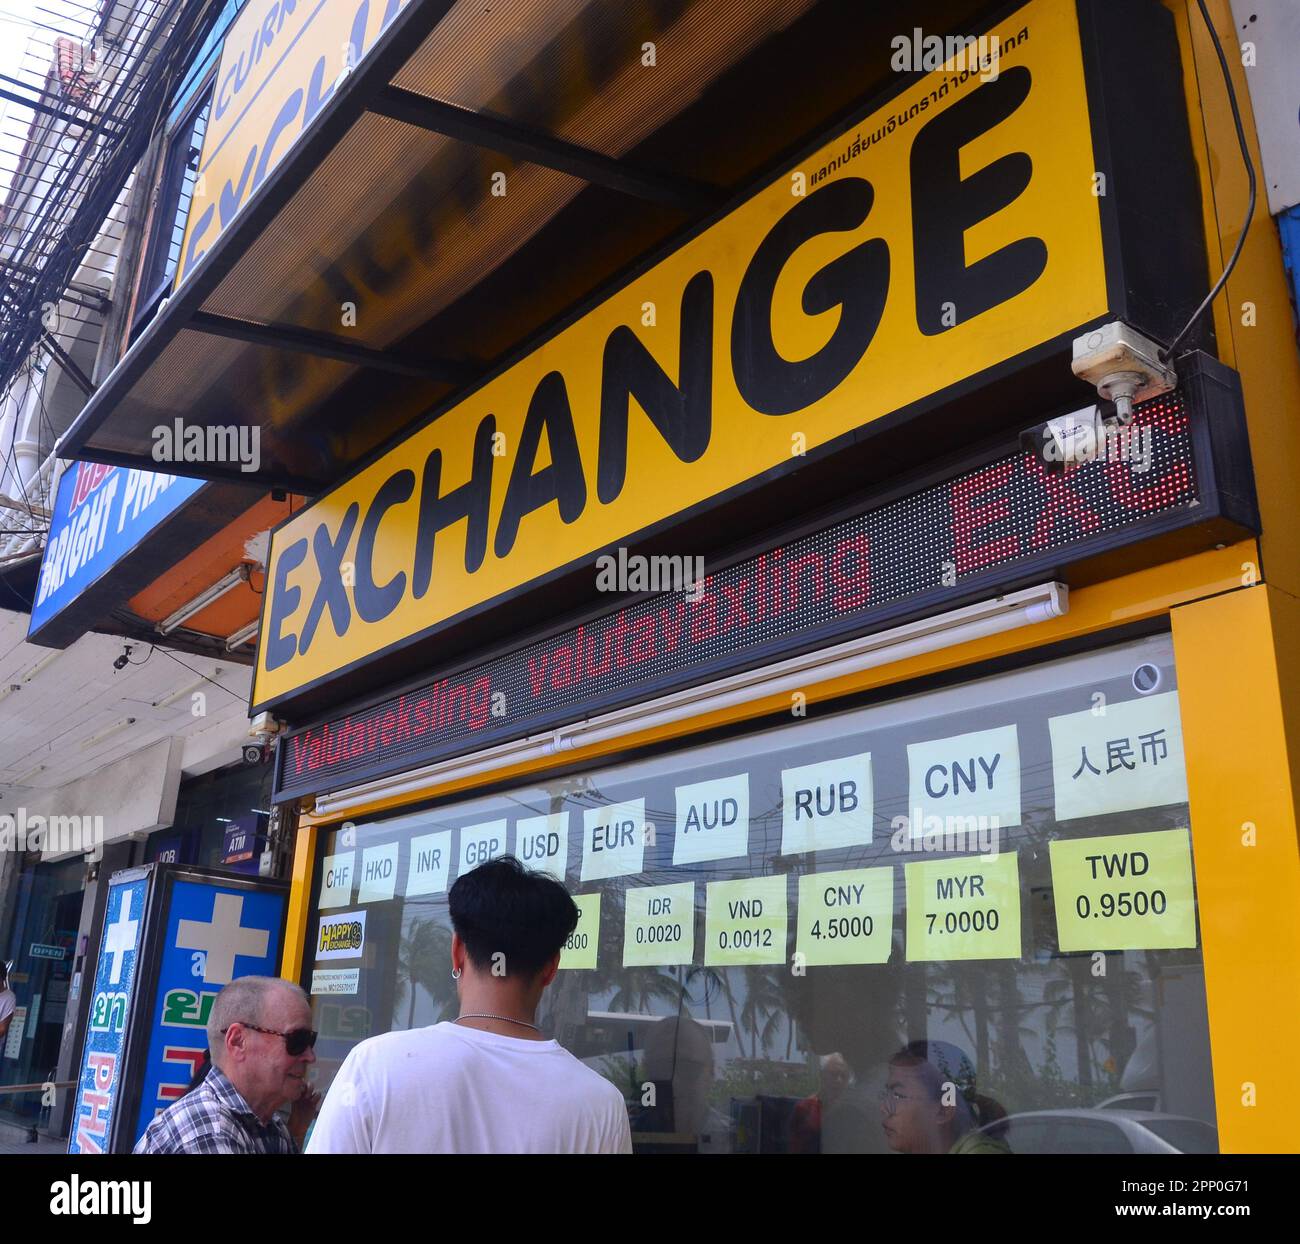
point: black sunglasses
(296, 1040)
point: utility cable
(1167, 354)
(202, 675)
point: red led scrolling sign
(984, 527)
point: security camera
(122, 661)
(253, 754)
(1069, 440)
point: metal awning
(385, 203)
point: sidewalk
(13, 1140)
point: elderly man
(261, 1040)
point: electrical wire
(10, 454)
(1168, 353)
(237, 695)
(56, 234)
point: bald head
(245, 1001)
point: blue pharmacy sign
(100, 516)
(173, 937)
(213, 932)
(104, 1055)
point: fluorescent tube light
(107, 731)
(945, 630)
(242, 636)
(44, 663)
(181, 692)
(227, 583)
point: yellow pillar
(295, 931)
(1238, 661)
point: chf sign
(952, 229)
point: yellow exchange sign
(954, 228)
(279, 67)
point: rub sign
(953, 229)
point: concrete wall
(134, 795)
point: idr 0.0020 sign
(954, 228)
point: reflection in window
(171, 210)
(913, 984)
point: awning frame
(367, 89)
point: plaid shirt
(214, 1118)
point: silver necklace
(505, 1019)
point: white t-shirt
(451, 1089)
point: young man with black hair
(489, 1082)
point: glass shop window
(180, 173)
(964, 920)
(42, 951)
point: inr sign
(430, 856)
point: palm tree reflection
(424, 959)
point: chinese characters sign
(1118, 757)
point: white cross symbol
(221, 939)
(120, 938)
